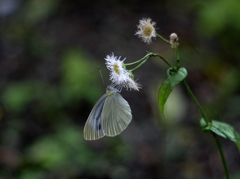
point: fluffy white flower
(131, 84)
(119, 76)
(146, 30)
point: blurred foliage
(34, 11)
(17, 96)
(74, 87)
(218, 15)
(66, 155)
(78, 73)
(63, 152)
(49, 54)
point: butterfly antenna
(101, 75)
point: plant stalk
(163, 38)
(221, 154)
(157, 55)
(196, 101)
(132, 70)
(142, 59)
(213, 134)
(177, 57)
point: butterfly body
(110, 116)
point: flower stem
(163, 38)
(132, 70)
(133, 63)
(214, 135)
(195, 100)
(221, 154)
(177, 57)
(145, 58)
(157, 55)
(197, 103)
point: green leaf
(173, 79)
(202, 122)
(224, 130)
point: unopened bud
(174, 40)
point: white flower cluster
(119, 76)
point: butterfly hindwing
(116, 114)
(93, 128)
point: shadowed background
(50, 51)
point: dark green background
(50, 51)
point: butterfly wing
(116, 114)
(93, 127)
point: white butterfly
(109, 116)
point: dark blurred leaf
(17, 96)
(222, 129)
(35, 10)
(78, 77)
(218, 15)
(174, 78)
(65, 147)
(30, 174)
(119, 172)
(229, 86)
(235, 175)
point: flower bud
(174, 40)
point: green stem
(198, 105)
(177, 57)
(221, 154)
(163, 38)
(133, 63)
(145, 58)
(214, 135)
(195, 100)
(157, 55)
(132, 70)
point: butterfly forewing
(116, 114)
(93, 128)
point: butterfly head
(111, 89)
